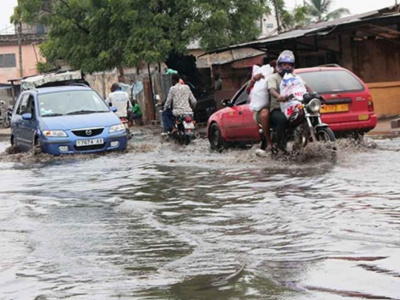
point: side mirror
(113, 109)
(226, 103)
(27, 116)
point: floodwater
(162, 221)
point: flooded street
(166, 222)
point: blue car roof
(55, 89)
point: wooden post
(19, 34)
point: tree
(319, 9)
(95, 35)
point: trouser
(279, 123)
(168, 119)
(134, 116)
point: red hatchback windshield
(332, 81)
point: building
(367, 44)
(19, 53)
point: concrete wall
(30, 56)
(386, 97)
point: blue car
(65, 120)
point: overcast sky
(7, 9)
(355, 7)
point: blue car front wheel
(37, 146)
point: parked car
(349, 108)
(64, 120)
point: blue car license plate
(81, 143)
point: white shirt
(120, 100)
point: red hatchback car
(349, 108)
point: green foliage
(319, 10)
(95, 35)
(44, 67)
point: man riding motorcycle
(180, 100)
(284, 64)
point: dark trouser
(134, 116)
(279, 123)
(168, 119)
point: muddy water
(166, 222)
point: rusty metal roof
(365, 20)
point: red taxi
(349, 108)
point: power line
(7, 29)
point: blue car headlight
(116, 128)
(54, 133)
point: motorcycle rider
(263, 115)
(284, 64)
(180, 100)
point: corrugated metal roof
(318, 28)
(206, 60)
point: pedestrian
(120, 100)
(217, 82)
(136, 113)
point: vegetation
(319, 10)
(96, 35)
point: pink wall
(30, 55)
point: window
(39, 29)
(22, 105)
(30, 108)
(242, 97)
(7, 61)
(332, 81)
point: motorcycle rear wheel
(187, 140)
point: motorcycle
(304, 126)
(185, 129)
(7, 117)
(124, 121)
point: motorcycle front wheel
(325, 134)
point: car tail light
(188, 119)
(370, 103)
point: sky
(7, 9)
(355, 7)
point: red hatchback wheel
(216, 141)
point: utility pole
(19, 34)
(277, 16)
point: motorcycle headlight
(314, 105)
(54, 133)
(116, 128)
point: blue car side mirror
(113, 109)
(27, 116)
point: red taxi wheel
(215, 138)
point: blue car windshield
(71, 103)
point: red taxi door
(238, 119)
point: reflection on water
(167, 222)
